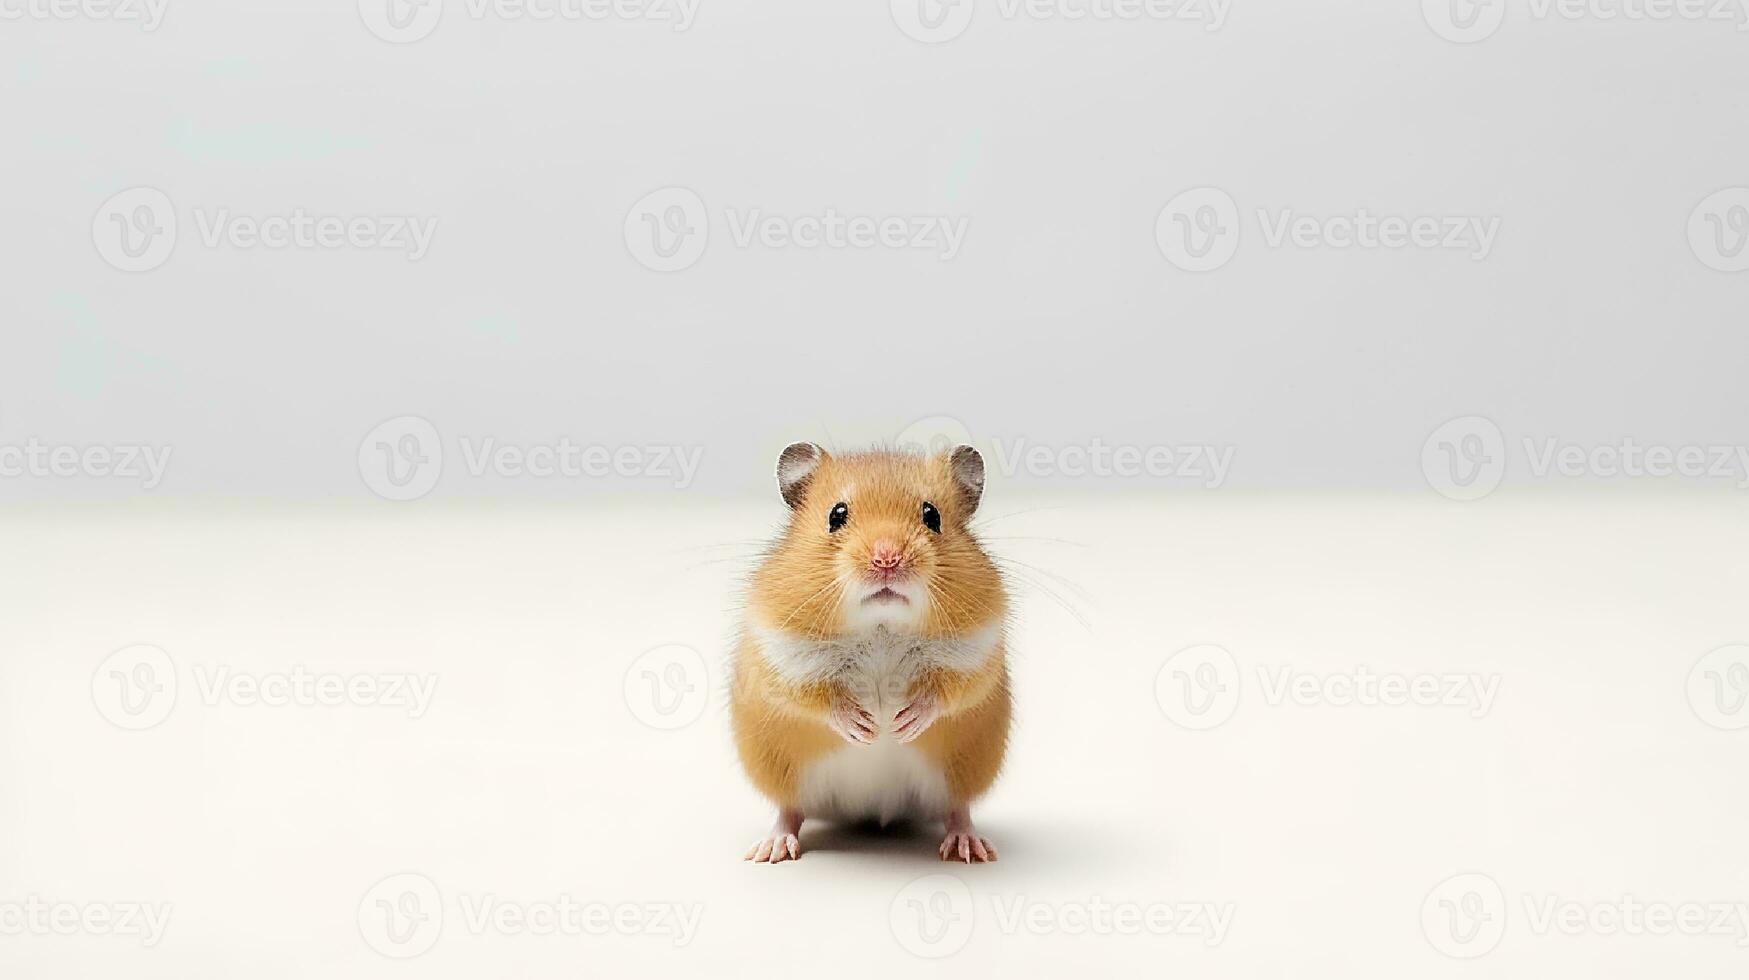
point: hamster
(870, 680)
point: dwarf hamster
(870, 679)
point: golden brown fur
(799, 589)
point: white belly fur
(887, 780)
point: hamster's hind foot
(782, 844)
(963, 842)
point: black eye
(840, 514)
(931, 517)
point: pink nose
(885, 557)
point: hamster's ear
(795, 465)
(967, 467)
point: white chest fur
(885, 780)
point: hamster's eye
(931, 517)
(840, 514)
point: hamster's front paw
(852, 722)
(915, 718)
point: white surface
(531, 775)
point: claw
(915, 718)
(852, 722)
(776, 849)
(967, 847)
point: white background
(1358, 528)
